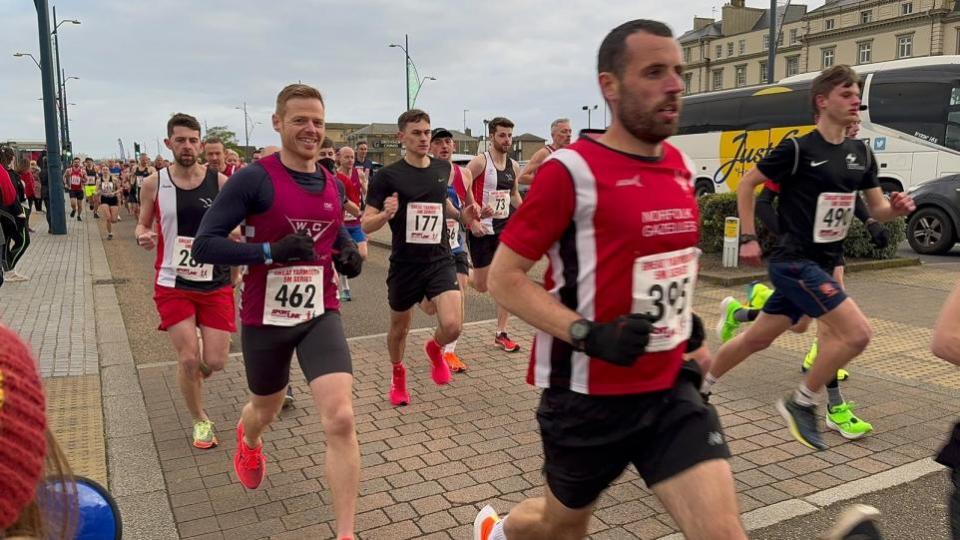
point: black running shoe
(858, 522)
(802, 422)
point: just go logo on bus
(740, 151)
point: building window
(686, 54)
(719, 51)
(687, 82)
(958, 40)
(864, 52)
(730, 49)
(740, 76)
(827, 57)
(742, 46)
(904, 46)
(717, 79)
(780, 39)
(793, 36)
(793, 65)
(763, 72)
(766, 41)
(866, 16)
(829, 24)
(906, 8)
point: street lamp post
(63, 105)
(484, 134)
(589, 110)
(465, 111)
(58, 222)
(408, 63)
(65, 131)
(246, 130)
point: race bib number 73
(663, 286)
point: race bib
(663, 288)
(185, 265)
(453, 233)
(424, 223)
(834, 216)
(500, 202)
(294, 294)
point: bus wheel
(704, 187)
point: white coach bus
(912, 123)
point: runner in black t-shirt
(411, 195)
(819, 175)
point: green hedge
(715, 208)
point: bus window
(706, 116)
(777, 110)
(914, 102)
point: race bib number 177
(425, 223)
(663, 286)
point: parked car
(933, 227)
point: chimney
(701, 22)
(467, 132)
(738, 3)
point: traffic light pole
(58, 221)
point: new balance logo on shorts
(714, 438)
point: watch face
(579, 330)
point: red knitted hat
(22, 424)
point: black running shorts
(482, 249)
(109, 200)
(409, 283)
(463, 263)
(320, 344)
(589, 440)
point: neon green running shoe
(727, 326)
(808, 360)
(842, 419)
(203, 437)
(757, 295)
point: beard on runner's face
(643, 123)
(185, 159)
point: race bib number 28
(663, 286)
(833, 217)
(186, 266)
(425, 223)
(294, 295)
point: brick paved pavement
(429, 466)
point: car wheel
(930, 231)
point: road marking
(773, 514)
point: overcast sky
(138, 62)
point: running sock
(834, 396)
(746, 315)
(344, 282)
(708, 381)
(497, 532)
(805, 397)
(450, 347)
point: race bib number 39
(425, 223)
(453, 233)
(833, 217)
(500, 202)
(663, 288)
(185, 265)
(294, 295)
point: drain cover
(114, 281)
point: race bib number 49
(500, 202)
(294, 295)
(186, 266)
(425, 223)
(663, 289)
(833, 217)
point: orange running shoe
(456, 365)
(483, 524)
(504, 342)
(249, 463)
(440, 371)
(398, 386)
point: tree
(228, 137)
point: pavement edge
(133, 463)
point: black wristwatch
(746, 238)
(579, 330)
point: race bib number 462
(185, 265)
(833, 217)
(425, 223)
(663, 289)
(294, 294)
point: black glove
(294, 247)
(697, 334)
(620, 341)
(878, 234)
(328, 164)
(348, 262)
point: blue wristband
(267, 256)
